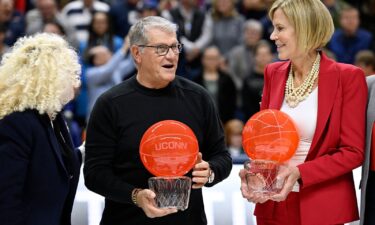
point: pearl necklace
(295, 95)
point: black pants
(370, 200)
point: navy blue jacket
(35, 187)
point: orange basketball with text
(169, 148)
(270, 135)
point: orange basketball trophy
(269, 138)
(168, 150)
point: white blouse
(304, 116)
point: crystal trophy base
(171, 191)
(261, 177)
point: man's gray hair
(255, 24)
(138, 32)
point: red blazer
(327, 194)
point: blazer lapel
(54, 142)
(328, 82)
(65, 131)
(278, 86)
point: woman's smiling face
(284, 36)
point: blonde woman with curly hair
(39, 168)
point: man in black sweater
(113, 167)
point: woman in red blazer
(327, 101)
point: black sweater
(120, 117)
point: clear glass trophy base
(171, 191)
(261, 177)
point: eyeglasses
(162, 50)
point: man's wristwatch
(211, 176)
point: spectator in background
(233, 137)
(100, 34)
(77, 15)
(46, 11)
(348, 40)
(218, 83)
(123, 13)
(23, 6)
(365, 59)
(12, 20)
(148, 8)
(356, 3)
(253, 83)
(54, 28)
(335, 7)
(167, 4)
(107, 70)
(227, 25)
(194, 32)
(267, 25)
(97, 83)
(252, 9)
(368, 15)
(241, 57)
(3, 47)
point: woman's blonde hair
(37, 74)
(311, 20)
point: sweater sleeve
(100, 150)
